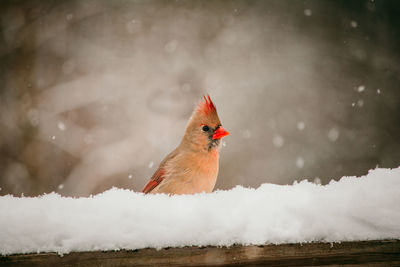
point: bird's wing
(155, 180)
(160, 173)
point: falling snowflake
(301, 125)
(278, 141)
(61, 126)
(70, 16)
(33, 117)
(307, 12)
(333, 134)
(300, 162)
(361, 88)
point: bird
(193, 166)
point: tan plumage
(193, 166)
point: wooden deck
(366, 253)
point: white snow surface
(362, 208)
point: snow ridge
(351, 209)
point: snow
(361, 88)
(301, 125)
(278, 141)
(333, 134)
(61, 126)
(70, 16)
(352, 209)
(33, 116)
(300, 162)
(307, 12)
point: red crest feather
(207, 106)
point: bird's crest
(206, 106)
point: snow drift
(352, 209)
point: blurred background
(94, 94)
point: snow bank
(351, 209)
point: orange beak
(219, 133)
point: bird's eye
(205, 128)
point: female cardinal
(193, 166)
